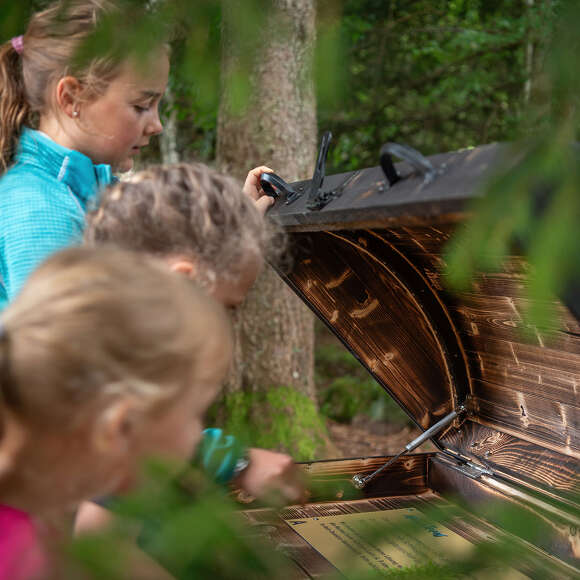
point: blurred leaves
(532, 205)
(188, 525)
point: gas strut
(360, 481)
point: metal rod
(360, 480)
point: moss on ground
(281, 419)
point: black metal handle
(320, 169)
(412, 156)
(273, 185)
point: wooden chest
(368, 264)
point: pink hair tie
(18, 43)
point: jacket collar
(74, 169)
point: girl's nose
(154, 126)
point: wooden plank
(548, 472)
(557, 541)
(407, 476)
(376, 314)
(527, 378)
(535, 418)
(546, 360)
(501, 319)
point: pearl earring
(75, 113)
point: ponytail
(14, 108)
(7, 394)
(3, 377)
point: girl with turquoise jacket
(91, 119)
(65, 129)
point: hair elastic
(18, 43)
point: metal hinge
(473, 470)
(465, 466)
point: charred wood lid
(365, 197)
(367, 262)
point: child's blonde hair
(49, 51)
(185, 209)
(91, 325)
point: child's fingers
(263, 203)
(293, 487)
(252, 183)
(257, 171)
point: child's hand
(272, 476)
(253, 189)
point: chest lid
(368, 263)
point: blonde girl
(195, 219)
(105, 358)
(66, 126)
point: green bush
(346, 389)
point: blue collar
(71, 167)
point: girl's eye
(140, 108)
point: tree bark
(274, 330)
(168, 139)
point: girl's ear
(115, 430)
(183, 266)
(68, 90)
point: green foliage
(280, 418)
(533, 203)
(345, 388)
(187, 525)
(503, 551)
(437, 75)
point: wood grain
(532, 466)
(380, 291)
(523, 382)
(408, 475)
(548, 533)
(369, 265)
(350, 282)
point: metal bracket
(473, 471)
(325, 197)
(319, 172)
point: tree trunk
(274, 330)
(529, 60)
(168, 139)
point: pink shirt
(22, 556)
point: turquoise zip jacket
(43, 200)
(44, 197)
